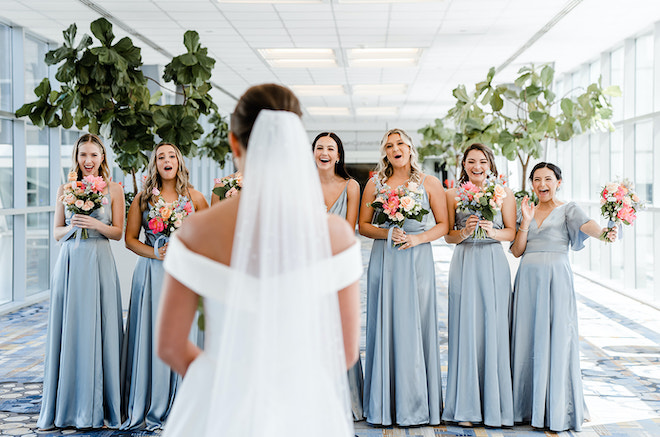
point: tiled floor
(620, 350)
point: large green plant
(215, 145)
(442, 143)
(518, 119)
(104, 90)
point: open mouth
(168, 167)
(546, 191)
(398, 156)
(477, 173)
(89, 168)
(324, 160)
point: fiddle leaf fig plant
(103, 90)
(215, 145)
(442, 142)
(518, 119)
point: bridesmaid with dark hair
(478, 370)
(341, 195)
(81, 375)
(545, 349)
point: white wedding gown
(290, 416)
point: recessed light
(384, 57)
(299, 58)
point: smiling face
(326, 153)
(477, 166)
(167, 162)
(90, 156)
(397, 151)
(545, 184)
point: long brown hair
(385, 169)
(104, 170)
(154, 180)
(490, 156)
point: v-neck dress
(545, 352)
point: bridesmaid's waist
(546, 246)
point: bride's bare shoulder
(341, 235)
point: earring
(336, 162)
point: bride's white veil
(281, 368)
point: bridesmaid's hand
(609, 235)
(84, 221)
(527, 209)
(162, 250)
(409, 241)
(487, 226)
(470, 225)
(398, 236)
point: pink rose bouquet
(166, 218)
(483, 202)
(395, 205)
(83, 197)
(229, 186)
(618, 204)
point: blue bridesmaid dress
(545, 353)
(402, 380)
(149, 385)
(81, 374)
(355, 378)
(479, 372)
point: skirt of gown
(356, 388)
(82, 375)
(478, 371)
(402, 382)
(149, 385)
(547, 381)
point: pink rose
(232, 192)
(155, 191)
(217, 181)
(79, 203)
(399, 217)
(187, 207)
(104, 201)
(156, 225)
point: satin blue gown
(81, 373)
(149, 385)
(545, 352)
(402, 380)
(355, 378)
(478, 371)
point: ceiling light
(376, 110)
(318, 90)
(299, 58)
(328, 110)
(388, 1)
(269, 1)
(379, 90)
(384, 57)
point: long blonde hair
(104, 170)
(154, 180)
(385, 168)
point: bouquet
(229, 186)
(395, 205)
(483, 202)
(166, 218)
(83, 197)
(618, 204)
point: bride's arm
(341, 238)
(175, 316)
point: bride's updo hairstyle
(256, 98)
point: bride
(279, 282)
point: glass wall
(6, 164)
(35, 67)
(37, 161)
(5, 68)
(37, 243)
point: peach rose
(500, 192)
(72, 176)
(89, 205)
(69, 199)
(407, 203)
(165, 213)
(79, 203)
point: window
(38, 184)
(37, 252)
(35, 67)
(6, 164)
(643, 75)
(5, 68)
(6, 258)
(616, 75)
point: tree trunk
(135, 190)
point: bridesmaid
(402, 381)
(342, 197)
(81, 375)
(149, 384)
(478, 372)
(545, 352)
